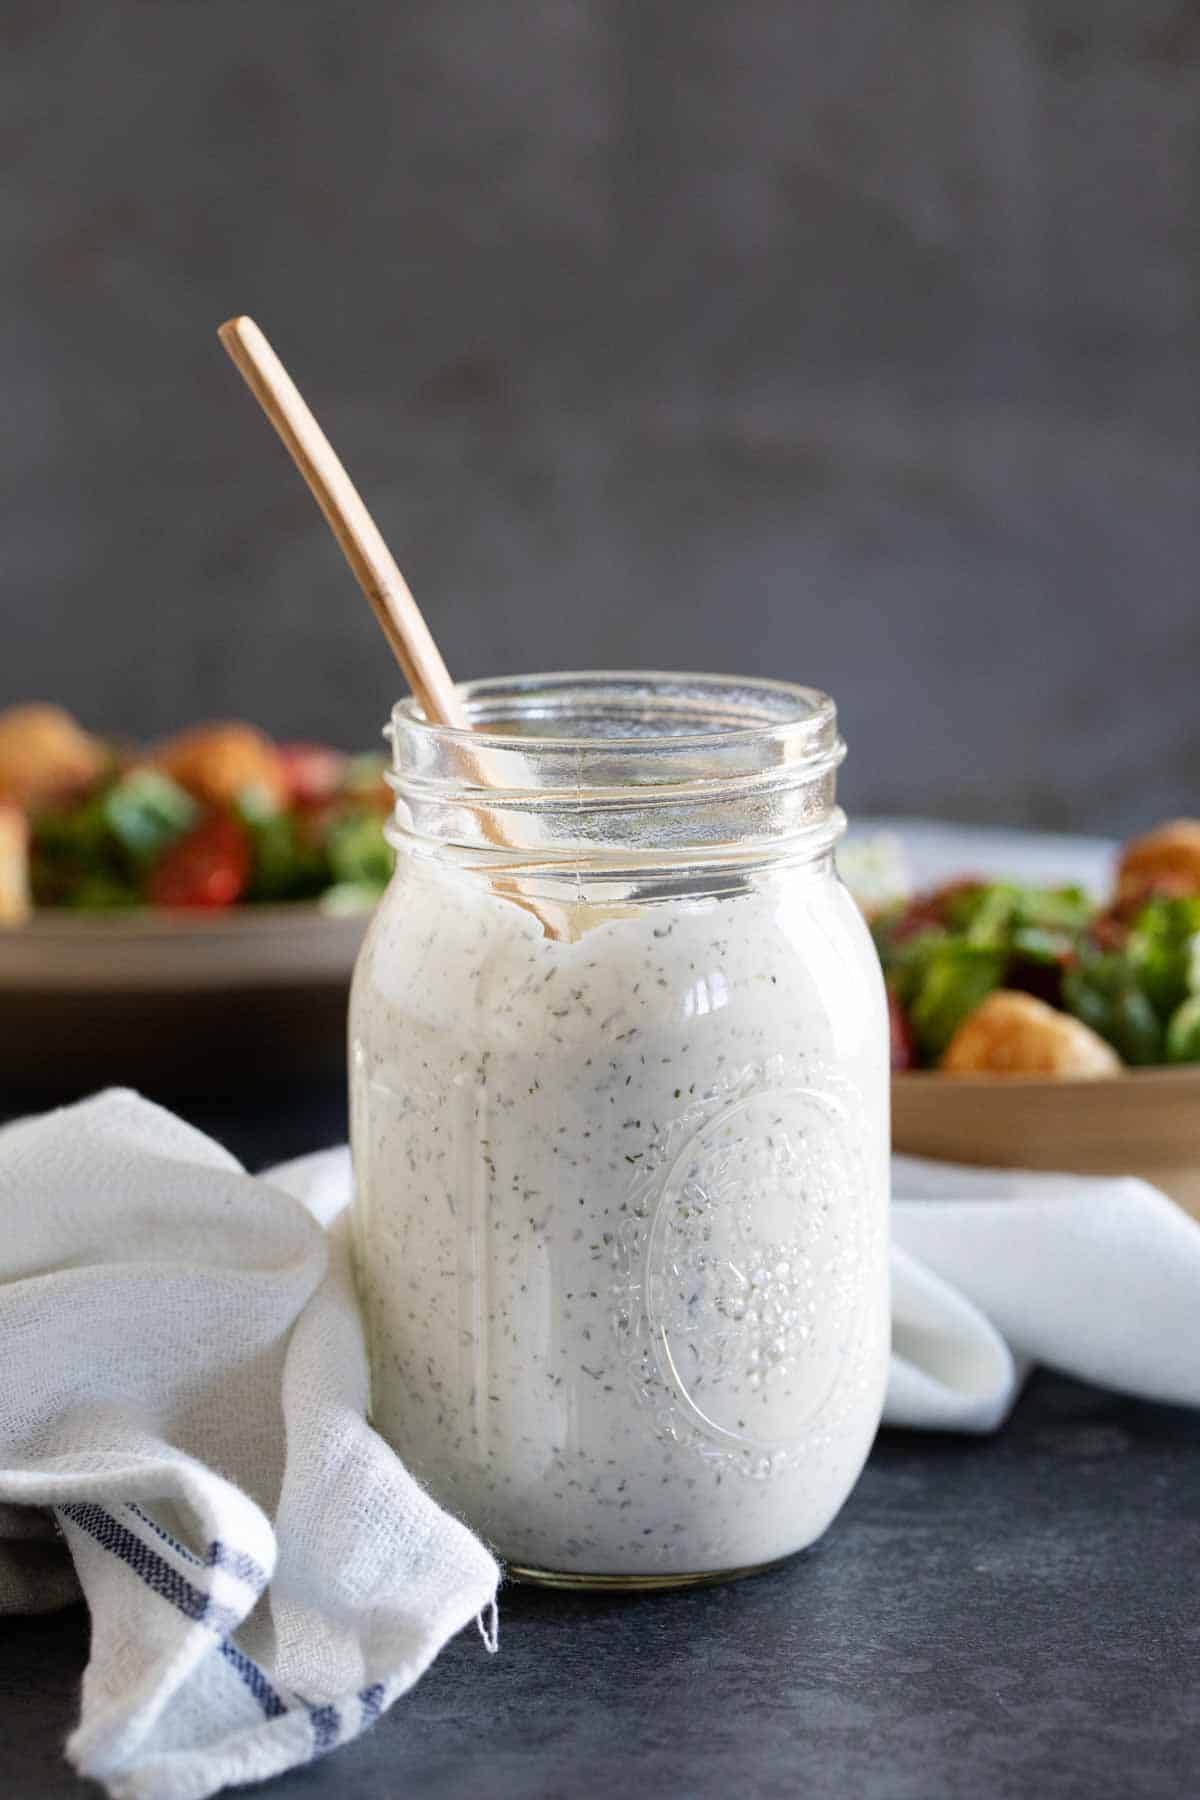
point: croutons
(1014, 1034)
(15, 902)
(45, 756)
(1165, 860)
(219, 763)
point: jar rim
(784, 713)
(645, 765)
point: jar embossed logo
(752, 1275)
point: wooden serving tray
(193, 1002)
(1142, 1122)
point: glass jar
(619, 1078)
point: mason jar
(619, 1074)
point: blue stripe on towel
(218, 1556)
(221, 1556)
(326, 1725)
(159, 1576)
(149, 1566)
(326, 1721)
(179, 1549)
(254, 1679)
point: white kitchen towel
(996, 1270)
(184, 1384)
(182, 1379)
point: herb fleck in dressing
(621, 1226)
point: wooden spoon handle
(355, 530)
(373, 564)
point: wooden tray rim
(1162, 1077)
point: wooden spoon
(362, 545)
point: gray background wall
(852, 342)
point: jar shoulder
(787, 949)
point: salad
(217, 816)
(995, 977)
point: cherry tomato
(210, 866)
(312, 773)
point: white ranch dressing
(621, 1227)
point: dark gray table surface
(1018, 1616)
